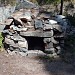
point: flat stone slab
(36, 34)
(8, 21)
(32, 53)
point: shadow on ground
(57, 66)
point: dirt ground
(33, 65)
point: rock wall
(5, 12)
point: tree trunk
(61, 7)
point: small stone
(11, 48)
(54, 41)
(54, 55)
(23, 50)
(49, 46)
(17, 37)
(58, 47)
(14, 27)
(7, 31)
(8, 36)
(23, 29)
(23, 44)
(47, 40)
(11, 52)
(8, 41)
(23, 54)
(38, 24)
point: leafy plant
(70, 43)
(71, 19)
(1, 39)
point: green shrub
(1, 39)
(70, 43)
(71, 19)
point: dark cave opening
(35, 43)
